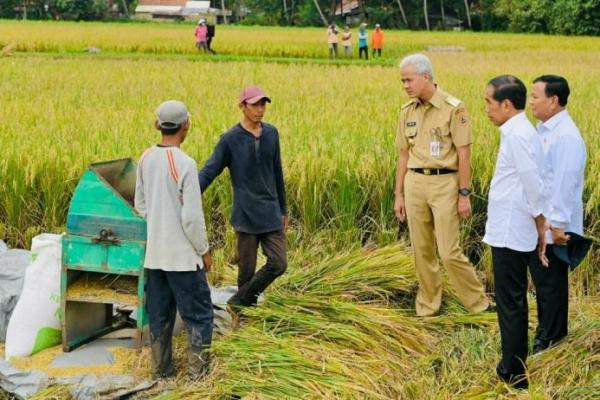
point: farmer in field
(210, 34)
(332, 41)
(201, 34)
(565, 165)
(377, 40)
(251, 152)
(516, 224)
(363, 41)
(177, 253)
(347, 41)
(432, 186)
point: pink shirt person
(201, 33)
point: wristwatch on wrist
(464, 191)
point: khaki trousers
(431, 208)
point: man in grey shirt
(177, 256)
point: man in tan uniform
(432, 186)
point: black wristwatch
(464, 191)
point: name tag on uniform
(434, 148)
(411, 124)
(435, 145)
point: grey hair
(421, 63)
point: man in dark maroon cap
(251, 151)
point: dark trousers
(190, 294)
(208, 44)
(510, 280)
(251, 284)
(377, 51)
(364, 50)
(333, 50)
(552, 297)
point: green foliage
(576, 17)
(81, 9)
(7, 8)
(568, 17)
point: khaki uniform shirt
(432, 132)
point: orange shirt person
(377, 40)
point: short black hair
(171, 129)
(555, 86)
(509, 87)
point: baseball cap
(252, 95)
(201, 21)
(171, 114)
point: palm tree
(426, 16)
(402, 12)
(320, 12)
(468, 13)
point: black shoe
(516, 381)
(539, 346)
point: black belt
(433, 171)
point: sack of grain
(35, 322)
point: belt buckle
(426, 171)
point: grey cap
(171, 113)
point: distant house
(179, 10)
(351, 11)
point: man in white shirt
(177, 256)
(565, 158)
(516, 222)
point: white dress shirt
(517, 193)
(565, 157)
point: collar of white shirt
(551, 123)
(510, 125)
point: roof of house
(348, 6)
(173, 7)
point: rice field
(63, 109)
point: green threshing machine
(102, 278)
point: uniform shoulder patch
(407, 104)
(453, 101)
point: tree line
(568, 17)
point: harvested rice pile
(344, 328)
(110, 288)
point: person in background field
(565, 153)
(346, 41)
(177, 257)
(363, 41)
(251, 152)
(432, 187)
(516, 221)
(201, 35)
(210, 34)
(332, 41)
(377, 40)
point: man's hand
(400, 208)
(542, 250)
(207, 261)
(559, 236)
(464, 206)
(541, 226)
(285, 222)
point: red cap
(252, 95)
